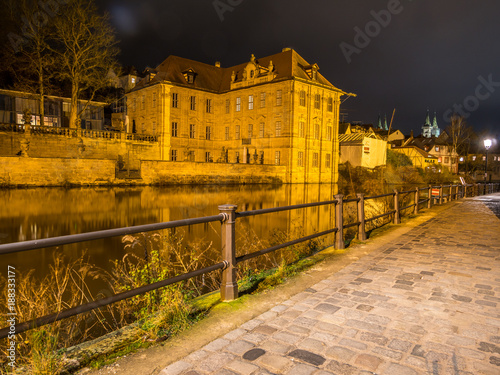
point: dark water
(29, 214)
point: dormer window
(252, 73)
(189, 75)
(312, 71)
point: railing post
(339, 221)
(441, 194)
(361, 217)
(457, 192)
(465, 191)
(229, 285)
(417, 199)
(397, 218)
(429, 203)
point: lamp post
(487, 145)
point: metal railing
(228, 216)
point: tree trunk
(73, 114)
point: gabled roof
(418, 150)
(287, 64)
(355, 137)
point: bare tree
(461, 135)
(85, 48)
(28, 57)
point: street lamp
(487, 145)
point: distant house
(362, 146)
(439, 147)
(363, 150)
(14, 105)
(419, 157)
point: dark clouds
(429, 55)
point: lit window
(302, 98)
(174, 129)
(277, 158)
(317, 101)
(484, 158)
(262, 99)
(192, 130)
(250, 130)
(261, 130)
(474, 158)
(250, 101)
(193, 103)
(175, 100)
(238, 104)
(278, 128)
(437, 148)
(279, 98)
(315, 159)
(301, 129)
(300, 159)
(173, 155)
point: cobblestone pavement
(428, 304)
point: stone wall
(27, 171)
(92, 147)
(171, 173)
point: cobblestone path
(428, 304)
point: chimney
(411, 134)
(217, 64)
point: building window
(143, 128)
(250, 130)
(208, 131)
(261, 130)
(228, 105)
(328, 160)
(279, 97)
(192, 130)
(301, 129)
(237, 132)
(302, 101)
(316, 131)
(277, 158)
(144, 102)
(154, 127)
(484, 158)
(474, 158)
(133, 104)
(446, 159)
(238, 104)
(208, 158)
(193, 103)
(250, 101)
(262, 99)
(278, 128)
(175, 100)
(440, 160)
(300, 159)
(237, 157)
(317, 101)
(437, 148)
(227, 133)
(209, 105)
(174, 129)
(330, 105)
(315, 159)
(329, 133)
(154, 100)
(173, 155)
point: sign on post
(435, 192)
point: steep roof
(287, 64)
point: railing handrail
(227, 217)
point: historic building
(430, 130)
(275, 110)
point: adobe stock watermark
(48, 9)
(223, 6)
(372, 29)
(484, 90)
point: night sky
(418, 54)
